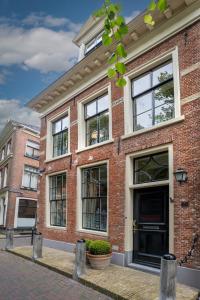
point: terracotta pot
(99, 262)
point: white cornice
(166, 28)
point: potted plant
(87, 242)
(99, 254)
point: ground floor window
(94, 198)
(57, 198)
(27, 208)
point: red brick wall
(184, 136)
(15, 173)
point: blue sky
(36, 47)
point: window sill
(101, 233)
(28, 189)
(32, 157)
(95, 146)
(155, 127)
(57, 157)
(56, 227)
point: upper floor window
(3, 153)
(94, 198)
(60, 136)
(153, 97)
(94, 43)
(0, 179)
(97, 120)
(8, 148)
(5, 176)
(32, 149)
(57, 198)
(30, 177)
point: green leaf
(162, 5)
(112, 59)
(111, 15)
(111, 73)
(120, 20)
(117, 35)
(121, 51)
(121, 82)
(149, 20)
(120, 67)
(99, 13)
(106, 39)
(123, 29)
(152, 5)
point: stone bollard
(37, 245)
(80, 259)
(168, 277)
(9, 238)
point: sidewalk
(118, 282)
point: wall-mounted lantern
(180, 175)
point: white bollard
(37, 245)
(168, 277)
(80, 259)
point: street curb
(69, 275)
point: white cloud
(134, 14)
(12, 110)
(39, 48)
(40, 19)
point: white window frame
(128, 101)
(47, 202)
(79, 227)
(35, 147)
(17, 208)
(26, 187)
(5, 176)
(49, 139)
(81, 119)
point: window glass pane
(27, 208)
(57, 126)
(59, 188)
(65, 123)
(141, 84)
(65, 142)
(103, 215)
(103, 181)
(103, 127)
(91, 109)
(57, 144)
(90, 45)
(102, 103)
(143, 121)
(151, 168)
(34, 181)
(143, 103)
(162, 73)
(92, 131)
(26, 179)
(29, 151)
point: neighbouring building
(19, 170)
(108, 155)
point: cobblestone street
(23, 280)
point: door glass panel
(151, 208)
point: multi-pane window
(27, 208)
(153, 97)
(32, 149)
(94, 43)
(30, 177)
(3, 153)
(57, 198)
(94, 198)
(8, 148)
(150, 168)
(97, 120)
(60, 136)
(5, 176)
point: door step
(144, 268)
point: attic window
(94, 43)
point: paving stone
(122, 283)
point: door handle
(134, 225)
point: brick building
(19, 168)
(109, 155)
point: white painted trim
(128, 102)
(95, 146)
(79, 199)
(81, 120)
(58, 157)
(129, 188)
(49, 139)
(5, 197)
(47, 201)
(155, 127)
(149, 41)
(17, 207)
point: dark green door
(150, 225)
